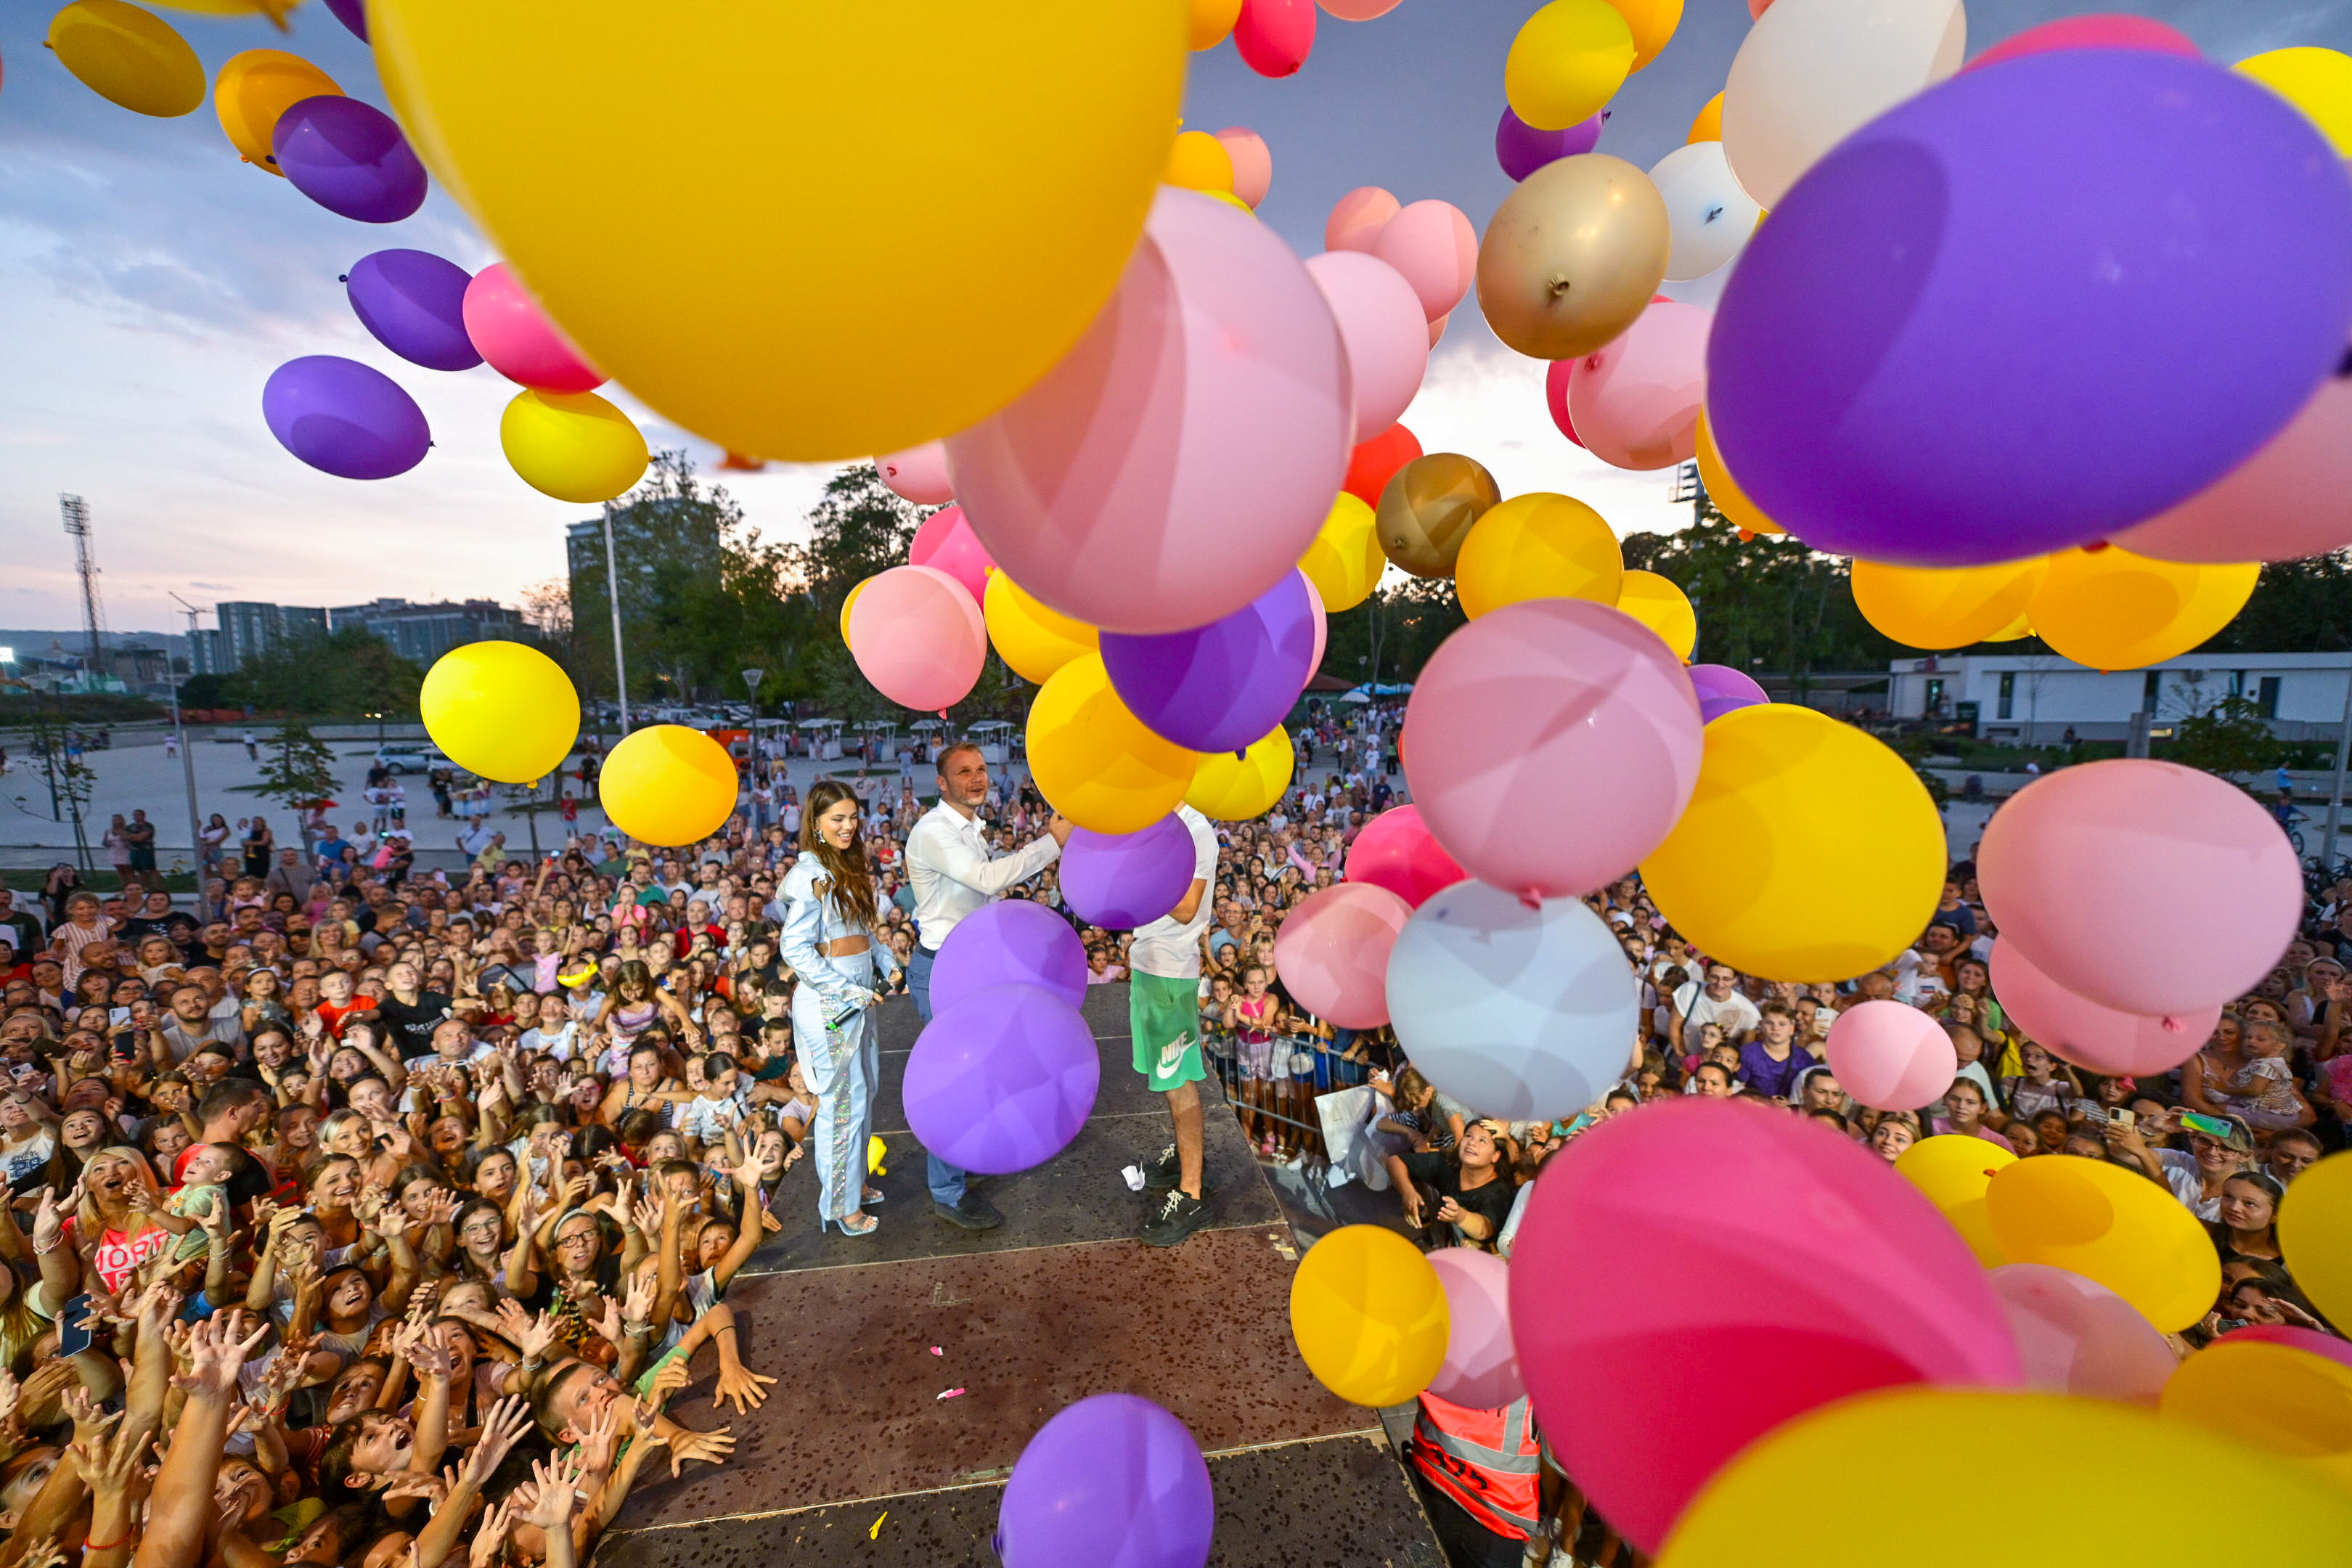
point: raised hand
(49, 1219)
(509, 1419)
(743, 1385)
(708, 1447)
(217, 1347)
(557, 1488)
(490, 1536)
(110, 1461)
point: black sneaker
(1164, 1172)
(972, 1214)
(1178, 1216)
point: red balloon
(1556, 396)
(1371, 465)
(2100, 32)
(1397, 851)
(1274, 36)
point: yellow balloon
(1540, 546)
(2110, 609)
(1030, 635)
(256, 87)
(1952, 1172)
(1345, 561)
(1569, 59)
(2109, 1224)
(128, 56)
(875, 1151)
(1209, 21)
(1945, 607)
(1873, 1467)
(1652, 23)
(2317, 81)
(502, 709)
(573, 446)
(2314, 1231)
(275, 10)
(668, 785)
(1035, 135)
(1095, 762)
(1368, 1315)
(1199, 161)
(1721, 487)
(1657, 603)
(1761, 872)
(1708, 126)
(850, 600)
(2021, 628)
(1231, 787)
(2271, 1397)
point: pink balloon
(918, 474)
(1436, 249)
(1481, 1370)
(946, 540)
(1437, 328)
(1690, 1274)
(918, 637)
(1275, 37)
(1358, 10)
(2143, 885)
(1530, 696)
(1380, 321)
(1182, 457)
(1322, 626)
(507, 328)
(1757, 8)
(2076, 1336)
(2290, 499)
(1557, 381)
(1892, 1057)
(2296, 1339)
(2098, 32)
(1253, 161)
(1358, 218)
(1397, 851)
(1635, 401)
(1332, 952)
(2086, 1033)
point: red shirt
(333, 1017)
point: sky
(150, 282)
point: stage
(1059, 1303)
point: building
(249, 629)
(2035, 698)
(425, 632)
(205, 653)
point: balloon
(1397, 851)
(1722, 689)
(1112, 1480)
(344, 418)
(519, 340)
(2315, 1232)
(1819, 70)
(1219, 687)
(1253, 163)
(1275, 37)
(1426, 510)
(1437, 328)
(1892, 1057)
(945, 541)
(2111, 609)
(128, 56)
(1573, 254)
(1380, 324)
(1953, 1171)
(918, 474)
(1345, 561)
(1525, 1014)
(1358, 218)
(2317, 81)
(1558, 376)
(2061, 267)
(1164, 475)
(2192, 887)
(1033, 641)
(2268, 1396)
(1432, 245)
(668, 785)
(1657, 603)
(1707, 214)
(1652, 23)
(1003, 1079)
(1012, 941)
(1368, 1315)
(1373, 463)
(918, 637)
(574, 445)
(1521, 149)
(1481, 1371)
(1724, 490)
(1210, 21)
(2111, 1226)
(2306, 1340)
(349, 158)
(2097, 32)
(1096, 762)
(1199, 161)
(1537, 546)
(1635, 401)
(1332, 951)
(352, 15)
(1358, 10)
(1569, 59)
(849, 603)
(2290, 499)
(1235, 788)
(2086, 1033)
(1945, 606)
(502, 709)
(1708, 125)
(1760, 872)
(412, 302)
(1688, 1223)
(1123, 881)
(254, 89)
(2081, 1338)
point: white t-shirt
(1735, 1014)
(1165, 947)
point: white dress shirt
(948, 867)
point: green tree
(348, 671)
(2229, 737)
(2299, 606)
(298, 768)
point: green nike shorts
(1164, 1015)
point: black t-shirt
(139, 927)
(1491, 1203)
(412, 1026)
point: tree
(2229, 737)
(2299, 606)
(350, 670)
(298, 769)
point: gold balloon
(1724, 492)
(1657, 603)
(1427, 510)
(1573, 257)
(1537, 546)
(1945, 606)
(1345, 561)
(256, 87)
(2111, 609)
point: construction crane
(76, 515)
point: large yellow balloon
(2288, 1401)
(1209, 21)
(502, 709)
(849, 601)
(1652, 23)
(1870, 1469)
(1030, 635)
(1235, 788)
(1538, 546)
(1762, 871)
(1094, 761)
(1657, 603)
(1345, 561)
(573, 446)
(2317, 81)
(1708, 126)
(1569, 59)
(128, 56)
(2109, 1224)
(1370, 1315)
(275, 10)
(668, 785)
(1952, 1172)
(2112, 610)
(896, 246)
(256, 87)
(1199, 161)
(2314, 1231)
(2021, 628)
(1945, 607)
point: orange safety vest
(1483, 1459)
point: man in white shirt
(1718, 1002)
(948, 867)
(1163, 1003)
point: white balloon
(1812, 72)
(1710, 215)
(1522, 1014)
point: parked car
(411, 757)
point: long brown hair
(852, 879)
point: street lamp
(379, 730)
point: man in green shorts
(1163, 1010)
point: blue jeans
(946, 1182)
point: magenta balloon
(1003, 1079)
(1220, 687)
(2086, 1033)
(414, 303)
(2076, 1336)
(2295, 1339)
(2097, 32)
(349, 158)
(1332, 952)
(1380, 322)
(344, 418)
(1891, 1057)
(1535, 697)
(1558, 380)
(1432, 244)
(1521, 149)
(1482, 1368)
(1691, 1274)
(1722, 689)
(1397, 851)
(2143, 885)
(1121, 880)
(918, 637)
(1177, 462)
(1273, 37)
(918, 474)
(1634, 402)
(2290, 500)
(1011, 941)
(946, 541)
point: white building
(2037, 698)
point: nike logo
(1171, 1055)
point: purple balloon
(1011, 941)
(1121, 880)
(346, 419)
(2031, 307)
(1220, 686)
(1522, 149)
(349, 158)
(1113, 1480)
(351, 14)
(413, 301)
(1722, 689)
(1003, 1079)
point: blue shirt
(1759, 1072)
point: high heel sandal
(871, 1196)
(868, 1228)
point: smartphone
(2120, 1118)
(74, 1336)
(2211, 1126)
